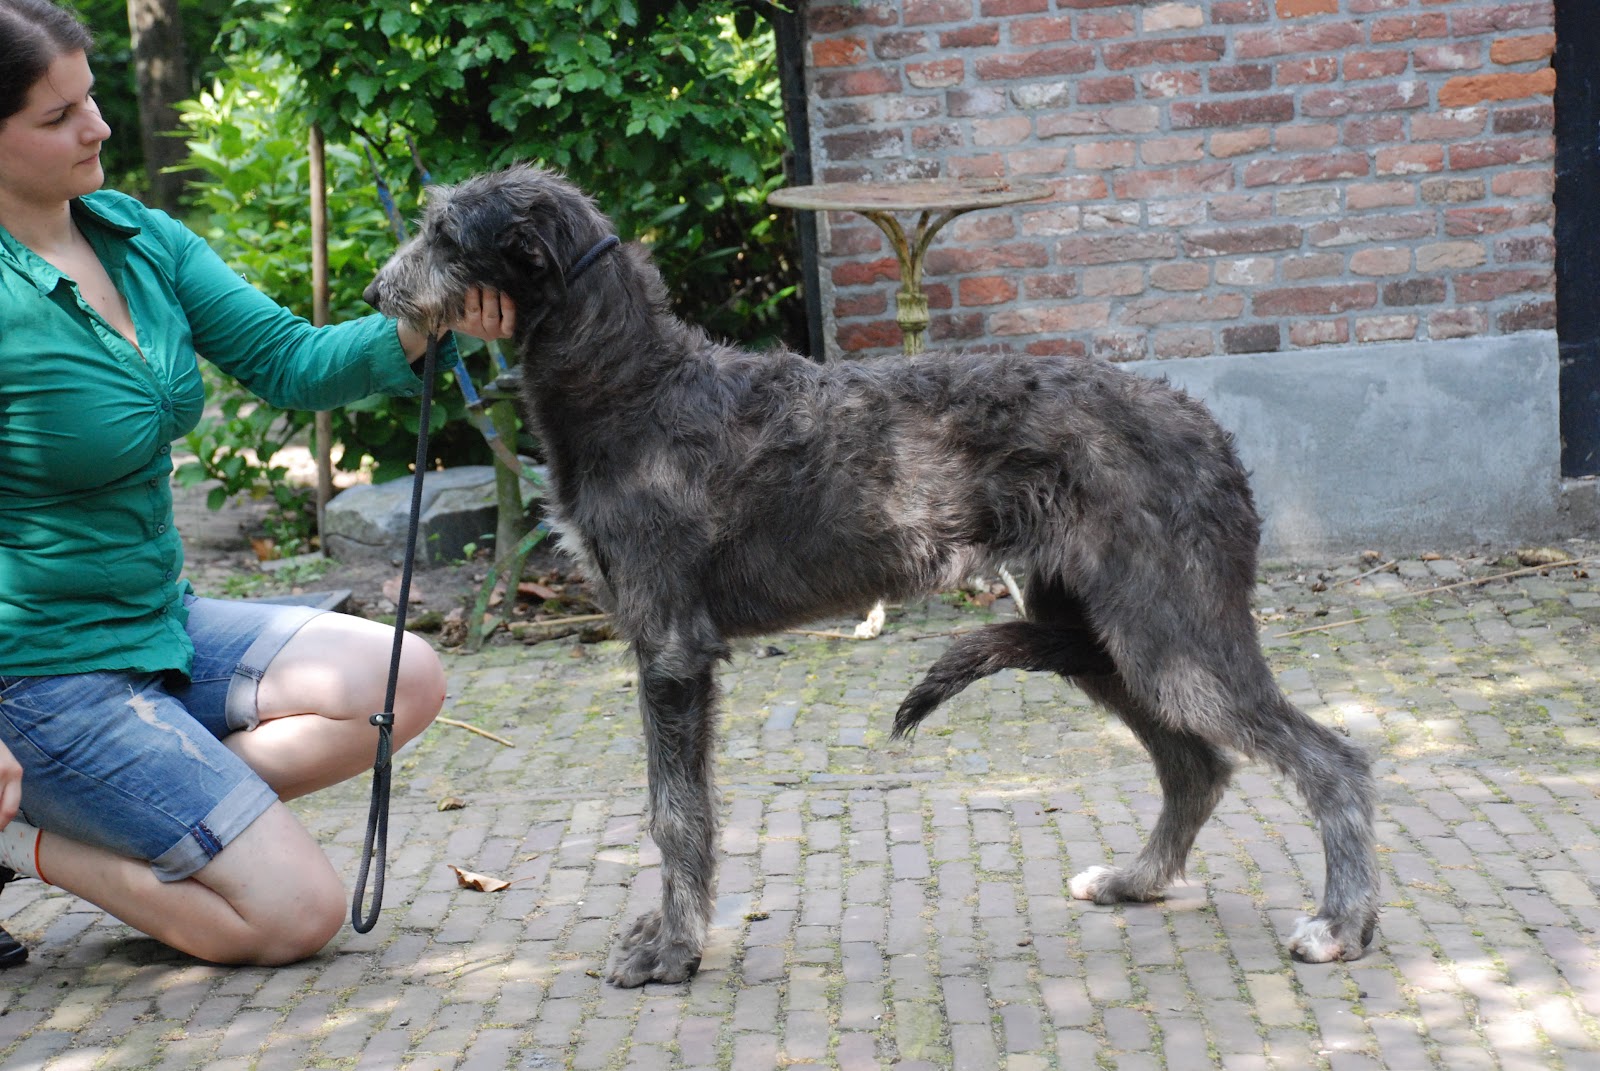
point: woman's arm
(490, 315)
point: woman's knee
(420, 691)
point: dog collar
(585, 262)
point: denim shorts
(134, 762)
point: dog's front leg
(677, 696)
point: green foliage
(667, 112)
(668, 115)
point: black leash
(382, 767)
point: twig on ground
(474, 729)
(1320, 628)
(1362, 576)
(1529, 571)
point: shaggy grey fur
(718, 493)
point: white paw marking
(1088, 884)
(1314, 942)
(872, 627)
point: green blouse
(90, 563)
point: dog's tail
(1029, 645)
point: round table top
(911, 195)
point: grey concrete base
(368, 522)
(1402, 447)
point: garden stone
(367, 522)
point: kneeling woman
(147, 737)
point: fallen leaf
(1542, 556)
(391, 591)
(537, 590)
(479, 882)
(452, 803)
(1430, 556)
(266, 549)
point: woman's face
(50, 150)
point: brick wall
(1229, 176)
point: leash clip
(383, 720)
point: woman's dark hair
(32, 34)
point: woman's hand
(10, 786)
(489, 315)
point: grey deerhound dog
(717, 493)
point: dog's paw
(872, 627)
(1318, 940)
(645, 955)
(1109, 885)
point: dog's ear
(524, 245)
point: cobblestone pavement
(884, 905)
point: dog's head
(519, 231)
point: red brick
(847, 16)
(1226, 143)
(873, 303)
(1525, 119)
(1037, 161)
(1033, 64)
(1321, 37)
(864, 144)
(1115, 248)
(1385, 328)
(1054, 287)
(1380, 260)
(1163, 151)
(1003, 8)
(1180, 275)
(1472, 22)
(1105, 27)
(1362, 229)
(1088, 4)
(1464, 222)
(1368, 7)
(838, 51)
(1103, 155)
(1120, 345)
(1041, 31)
(1315, 266)
(1371, 130)
(1238, 12)
(1501, 151)
(1325, 168)
(934, 138)
(1182, 342)
(1319, 103)
(1166, 310)
(1360, 196)
(1056, 347)
(982, 35)
(1238, 112)
(866, 273)
(1315, 300)
(1365, 65)
(987, 290)
(1311, 70)
(919, 12)
(1176, 182)
(1251, 338)
(1228, 241)
(1409, 28)
(1528, 49)
(1319, 333)
(1414, 292)
(897, 46)
(1239, 208)
(1118, 280)
(989, 166)
(1509, 85)
(1165, 52)
(1486, 286)
(936, 74)
(945, 260)
(880, 334)
(1541, 183)
(966, 103)
(1004, 131)
(1411, 160)
(849, 235)
(1539, 248)
(1239, 78)
(1294, 9)
(1530, 316)
(1171, 83)
(1106, 90)
(1039, 319)
(865, 83)
(1457, 323)
(1455, 125)
(1462, 56)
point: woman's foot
(12, 951)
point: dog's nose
(370, 295)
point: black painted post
(1577, 229)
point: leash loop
(375, 849)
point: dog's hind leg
(1193, 773)
(677, 696)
